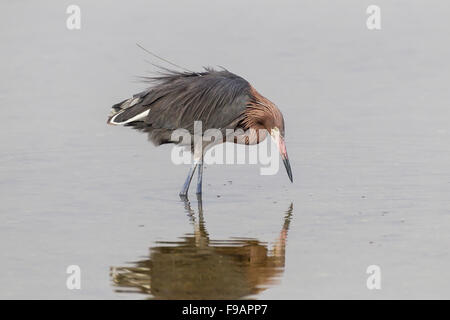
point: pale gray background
(368, 134)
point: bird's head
(264, 114)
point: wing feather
(177, 99)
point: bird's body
(218, 99)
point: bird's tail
(129, 110)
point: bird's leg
(197, 153)
(184, 190)
(200, 176)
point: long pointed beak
(284, 156)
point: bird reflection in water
(197, 267)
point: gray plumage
(177, 99)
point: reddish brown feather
(261, 113)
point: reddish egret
(217, 98)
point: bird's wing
(129, 110)
(218, 99)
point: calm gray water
(368, 134)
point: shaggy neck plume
(261, 113)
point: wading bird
(218, 98)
